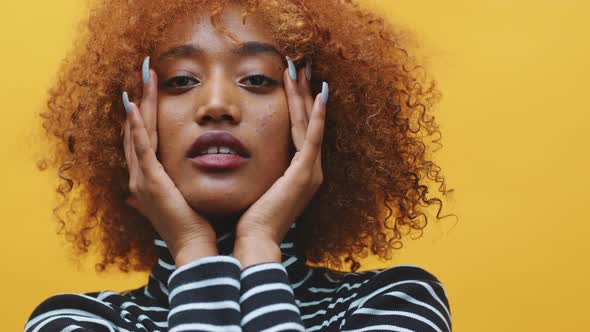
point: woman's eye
(179, 82)
(259, 80)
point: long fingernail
(308, 69)
(126, 102)
(292, 70)
(324, 93)
(145, 69)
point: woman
(223, 142)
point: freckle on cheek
(262, 122)
(265, 120)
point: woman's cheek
(274, 131)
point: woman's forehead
(194, 50)
(196, 34)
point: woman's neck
(224, 224)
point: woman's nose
(217, 100)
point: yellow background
(515, 128)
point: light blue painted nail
(126, 102)
(145, 69)
(308, 69)
(292, 70)
(325, 93)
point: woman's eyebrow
(247, 48)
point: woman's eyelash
(268, 79)
(170, 83)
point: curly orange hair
(374, 151)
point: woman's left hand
(267, 221)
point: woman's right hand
(187, 234)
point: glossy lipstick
(219, 161)
(218, 138)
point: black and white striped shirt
(215, 294)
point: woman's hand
(187, 234)
(263, 226)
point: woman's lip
(217, 138)
(219, 161)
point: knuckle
(319, 179)
(152, 173)
(300, 123)
(135, 137)
(306, 177)
(152, 184)
(154, 187)
(133, 187)
(316, 181)
(141, 149)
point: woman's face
(213, 86)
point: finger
(297, 112)
(315, 130)
(134, 164)
(149, 101)
(126, 142)
(129, 154)
(131, 164)
(305, 87)
(128, 146)
(146, 156)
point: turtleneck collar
(157, 287)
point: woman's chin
(222, 211)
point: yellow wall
(514, 119)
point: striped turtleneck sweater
(215, 294)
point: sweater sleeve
(267, 300)
(419, 305)
(204, 295)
